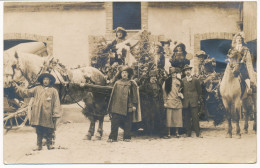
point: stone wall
(65, 30)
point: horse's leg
(229, 133)
(254, 126)
(246, 118)
(91, 128)
(255, 112)
(255, 117)
(100, 128)
(228, 113)
(237, 111)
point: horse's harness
(31, 84)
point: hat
(166, 41)
(179, 44)
(174, 70)
(201, 53)
(186, 67)
(47, 75)
(120, 29)
(129, 70)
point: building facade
(69, 28)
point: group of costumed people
(172, 100)
(159, 90)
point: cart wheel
(15, 120)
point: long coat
(125, 94)
(192, 92)
(46, 105)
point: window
(127, 15)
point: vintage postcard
(130, 82)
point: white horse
(30, 66)
(231, 93)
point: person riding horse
(239, 53)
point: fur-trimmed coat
(125, 95)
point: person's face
(201, 59)
(188, 72)
(174, 75)
(46, 81)
(124, 75)
(153, 79)
(119, 34)
(239, 40)
(179, 49)
(157, 49)
(166, 45)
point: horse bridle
(17, 66)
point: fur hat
(202, 54)
(47, 75)
(186, 67)
(129, 70)
(179, 44)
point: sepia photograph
(143, 82)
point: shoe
(127, 140)
(111, 140)
(87, 137)
(50, 147)
(200, 136)
(187, 136)
(38, 148)
(166, 137)
(177, 136)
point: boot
(100, 134)
(39, 144)
(49, 143)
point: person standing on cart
(111, 47)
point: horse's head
(20, 66)
(234, 59)
(11, 65)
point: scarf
(189, 78)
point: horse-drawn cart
(15, 118)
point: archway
(218, 49)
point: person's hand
(82, 84)
(134, 108)
(13, 84)
(110, 116)
(165, 104)
(54, 120)
(180, 95)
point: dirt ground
(71, 148)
